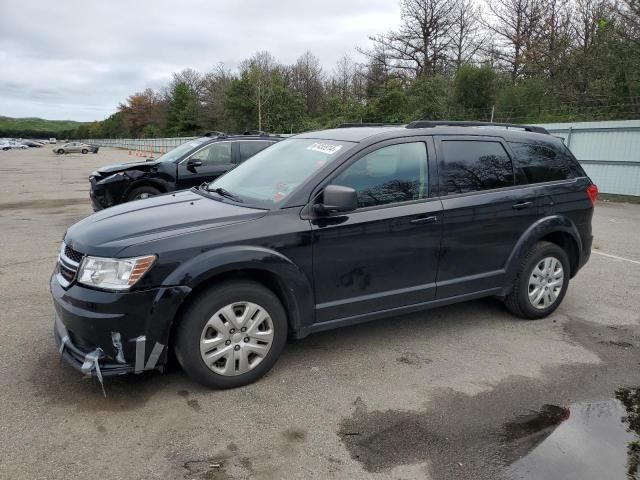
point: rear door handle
(420, 220)
(521, 205)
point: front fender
(294, 283)
(541, 228)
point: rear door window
(250, 148)
(474, 165)
(544, 164)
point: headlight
(113, 273)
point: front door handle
(421, 220)
(521, 205)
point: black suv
(322, 230)
(199, 160)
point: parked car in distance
(188, 165)
(13, 146)
(73, 147)
(53, 140)
(322, 230)
(31, 143)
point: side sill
(356, 319)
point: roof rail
(351, 125)
(260, 133)
(214, 133)
(436, 123)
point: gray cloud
(79, 58)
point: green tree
(474, 92)
(429, 97)
(392, 106)
(182, 115)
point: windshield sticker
(324, 148)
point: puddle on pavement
(585, 441)
(582, 441)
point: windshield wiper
(225, 193)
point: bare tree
(306, 77)
(553, 40)
(421, 45)
(192, 78)
(344, 82)
(516, 23)
(259, 70)
(467, 36)
(629, 13)
(214, 86)
(588, 14)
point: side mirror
(194, 163)
(337, 199)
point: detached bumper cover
(114, 333)
(93, 363)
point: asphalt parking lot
(426, 395)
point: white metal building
(608, 151)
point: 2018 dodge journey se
(321, 230)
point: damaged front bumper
(114, 333)
(90, 363)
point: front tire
(60, 151)
(141, 193)
(85, 151)
(541, 282)
(231, 335)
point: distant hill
(34, 127)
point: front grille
(68, 264)
(72, 254)
(67, 273)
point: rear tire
(215, 357)
(85, 151)
(541, 282)
(142, 193)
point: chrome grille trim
(64, 262)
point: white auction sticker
(324, 148)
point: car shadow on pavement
(60, 384)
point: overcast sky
(77, 59)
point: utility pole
(259, 107)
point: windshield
(272, 174)
(177, 152)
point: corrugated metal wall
(608, 151)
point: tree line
(505, 60)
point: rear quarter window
(545, 164)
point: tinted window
(469, 166)
(249, 149)
(544, 164)
(397, 173)
(214, 154)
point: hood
(127, 166)
(109, 231)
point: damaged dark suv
(199, 160)
(322, 230)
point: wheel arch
(556, 229)
(146, 182)
(266, 267)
